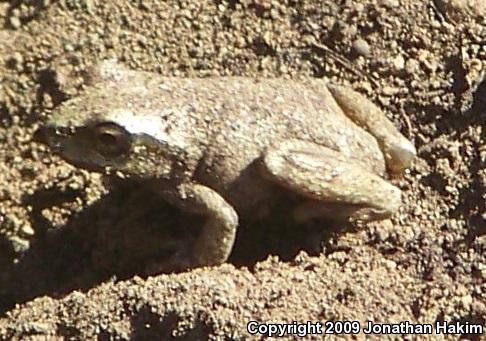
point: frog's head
(102, 131)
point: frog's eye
(111, 140)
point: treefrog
(223, 147)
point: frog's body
(219, 146)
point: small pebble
(361, 47)
(390, 3)
(15, 22)
(466, 301)
(398, 63)
(27, 230)
(412, 66)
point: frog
(225, 147)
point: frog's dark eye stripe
(110, 140)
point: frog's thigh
(336, 186)
(217, 237)
(398, 151)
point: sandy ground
(76, 252)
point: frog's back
(225, 124)
(230, 117)
(240, 117)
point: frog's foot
(335, 186)
(398, 151)
(213, 245)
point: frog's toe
(401, 155)
(399, 152)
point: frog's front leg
(334, 185)
(216, 239)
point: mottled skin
(220, 146)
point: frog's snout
(51, 136)
(45, 136)
(41, 135)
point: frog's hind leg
(335, 186)
(399, 152)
